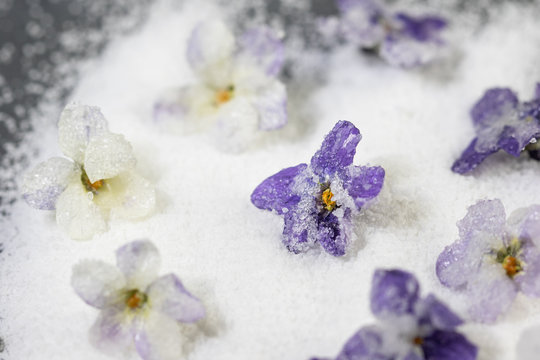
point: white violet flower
(97, 182)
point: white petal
(236, 126)
(139, 261)
(99, 284)
(138, 198)
(77, 214)
(210, 50)
(108, 156)
(159, 338)
(43, 185)
(78, 124)
(271, 104)
(112, 332)
(170, 297)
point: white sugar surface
(264, 302)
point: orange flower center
(135, 299)
(327, 200)
(223, 96)
(511, 265)
(91, 186)
(418, 340)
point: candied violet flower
(137, 307)
(238, 92)
(409, 327)
(400, 39)
(502, 122)
(319, 200)
(494, 258)
(99, 181)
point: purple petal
(139, 261)
(43, 185)
(271, 105)
(331, 234)
(264, 48)
(363, 183)
(537, 92)
(275, 193)
(300, 225)
(528, 280)
(365, 344)
(337, 150)
(525, 224)
(393, 292)
(471, 158)
(438, 315)
(426, 28)
(448, 345)
(483, 226)
(362, 22)
(490, 293)
(112, 332)
(97, 283)
(169, 296)
(495, 103)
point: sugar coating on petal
(271, 104)
(112, 332)
(137, 200)
(43, 185)
(78, 124)
(236, 125)
(139, 261)
(261, 47)
(158, 338)
(108, 156)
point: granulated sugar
(262, 301)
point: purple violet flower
(409, 327)
(400, 39)
(502, 122)
(318, 201)
(137, 307)
(494, 258)
(237, 92)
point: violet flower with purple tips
(138, 308)
(318, 201)
(237, 92)
(409, 327)
(494, 258)
(502, 122)
(400, 39)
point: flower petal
(210, 50)
(332, 234)
(361, 22)
(365, 344)
(236, 126)
(437, 314)
(77, 214)
(471, 158)
(337, 150)
(393, 292)
(138, 198)
(448, 345)
(261, 47)
(107, 156)
(422, 29)
(97, 283)
(405, 52)
(363, 183)
(169, 296)
(524, 223)
(271, 105)
(528, 280)
(494, 104)
(482, 227)
(300, 227)
(158, 338)
(528, 346)
(276, 193)
(139, 261)
(111, 333)
(43, 185)
(490, 293)
(77, 126)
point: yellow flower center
(224, 95)
(91, 186)
(418, 340)
(327, 200)
(135, 299)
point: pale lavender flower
(494, 258)
(138, 309)
(237, 92)
(408, 327)
(400, 39)
(96, 182)
(502, 122)
(318, 201)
